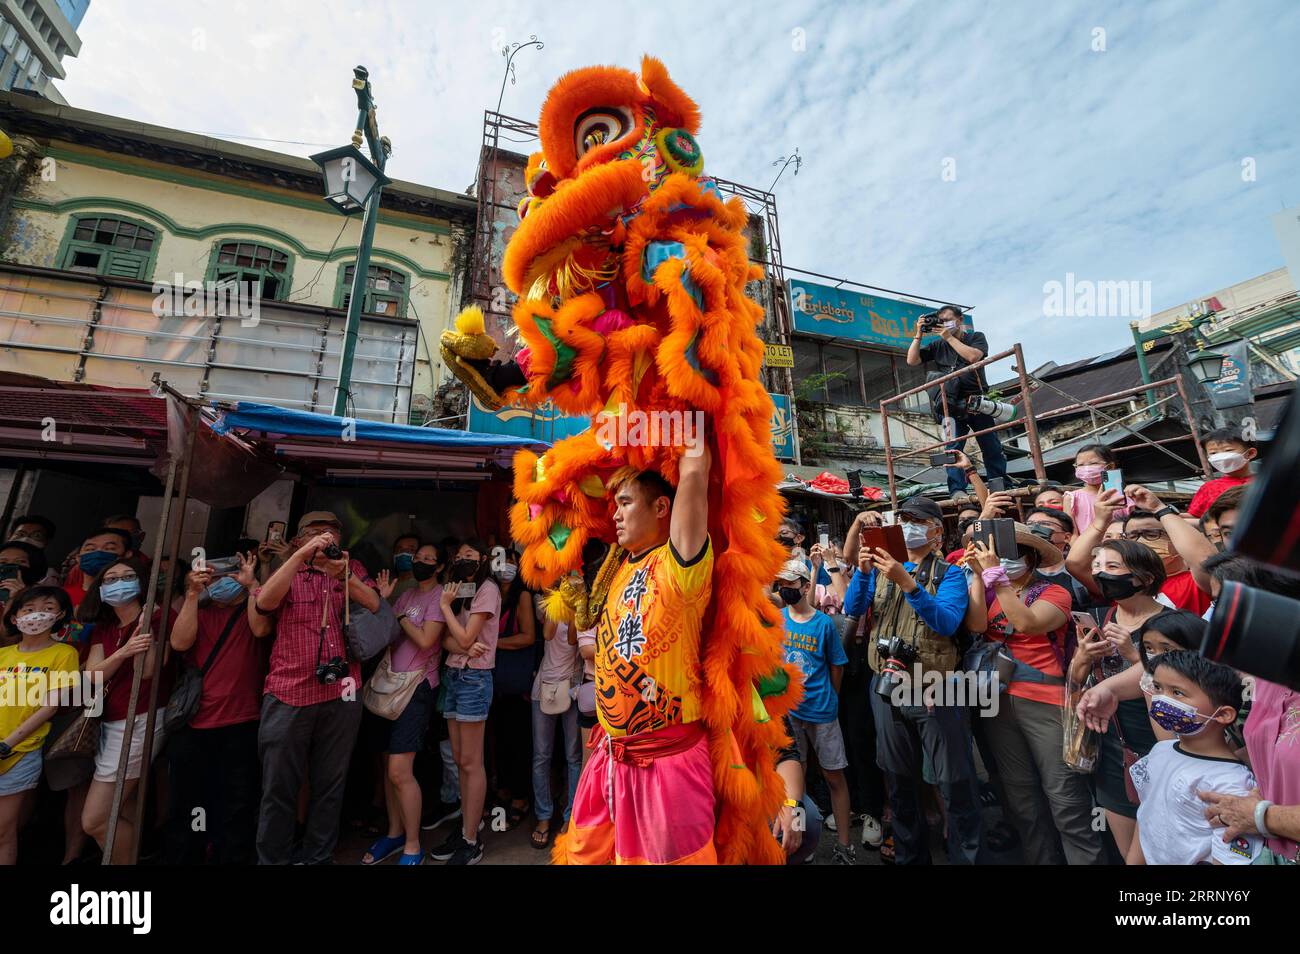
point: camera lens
(1257, 632)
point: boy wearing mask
(1196, 699)
(812, 643)
(1230, 454)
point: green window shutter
(124, 266)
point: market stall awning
(341, 447)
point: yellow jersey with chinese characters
(648, 641)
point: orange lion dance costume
(630, 271)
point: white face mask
(1014, 568)
(915, 535)
(29, 624)
(507, 572)
(1227, 462)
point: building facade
(35, 36)
(96, 213)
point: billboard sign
(845, 313)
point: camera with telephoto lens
(1255, 630)
(331, 672)
(897, 658)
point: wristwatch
(1165, 511)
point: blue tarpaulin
(270, 419)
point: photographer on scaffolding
(956, 349)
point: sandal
(542, 839)
(383, 849)
(415, 859)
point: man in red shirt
(311, 707)
(1230, 454)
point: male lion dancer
(631, 271)
(646, 794)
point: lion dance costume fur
(630, 271)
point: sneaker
(843, 855)
(467, 854)
(453, 841)
(448, 847)
(872, 832)
(442, 812)
(829, 820)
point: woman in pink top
(471, 605)
(1273, 744)
(419, 614)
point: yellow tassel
(470, 321)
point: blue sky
(1116, 164)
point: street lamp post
(355, 184)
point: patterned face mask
(1178, 717)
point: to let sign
(779, 356)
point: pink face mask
(1090, 473)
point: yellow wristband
(790, 803)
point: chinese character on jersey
(631, 640)
(636, 588)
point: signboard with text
(778, 356)
(1232, 389)
(782, 427)
(544, 423)
(844, 313)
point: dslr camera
(898, 657)
(332, 552)
(930, 323)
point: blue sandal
(415, 859)
(384, 848)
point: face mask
(94, 561)
(464, 569)
(1178, 717)
(791, 595)
(423, 571)
(785, 541)
(29, 624)
(1227, 462)
(33, 541)
(1014, 568)
(402, 562)
(1090, 473)
(119, 592)
(915, 535)
(1116, 586)
(953, 325)
(225, 590)
(507, 573)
